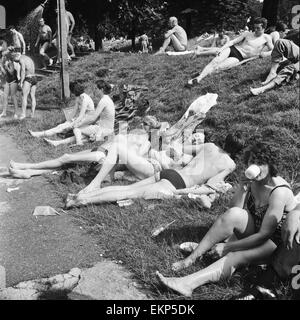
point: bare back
(209, 161)
(252, 45)
(28, 64)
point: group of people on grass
(262, 225)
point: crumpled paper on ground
(45, 211)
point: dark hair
(280, 26)
(234, 143)
(261, 153)
(11, 27)
(103, 85)
(77, 88)
(262, 21)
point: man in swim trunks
(211, 165)
(18, 41)
(247, 45)
(28, 81)
(176, 36)
(284, 68)
(44, 40)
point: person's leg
(53, 131)
(33, 100)
(206, 51)
(5, 100)
(46, 58)
(260, 90)
(25, 92)
(26, 174)
(85, 156)
(70, 46)
(13, 93)
(57, 143)
(221, 269)
(214, 65)
(146, 191)
(177, 44)
(234, 221)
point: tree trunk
(270, 10)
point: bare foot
(51, 142)
(255, 92)
(176, 284)
(188, 247)
(182, 264)
(20, 174)
(36, 134)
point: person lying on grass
(211, 165)
(136, 139)
(218, 41)
(245, 46)
(132, 150)
(284, 68)
(83, 107)
(97, 125)
(247, 233)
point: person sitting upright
(284, 68)
(84, 106)
(279, 32)
(97, 125)
(176, 37)
(247, 233)
(247, 45)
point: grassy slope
(125, 232)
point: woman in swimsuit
(11, 83)
(247, 233)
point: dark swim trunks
(174, 177)
(32, 80)
(234, 53)
(11, 78)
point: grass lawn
(125, 233)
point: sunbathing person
(284, 68)
(176, 37)
(251, 227)
(247, 45)
(97, 125)
(219, 41)
(210, 165)
(279, 32)
(84, 106)
(98, 154)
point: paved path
(31, 247)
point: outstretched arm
(234, 41)
(220, 177)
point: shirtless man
(218, 41)
(247, 45)
(18, 41)
(44, 40)
(70, 24)
(84, 106)
(175, 36)
(28, 81)
(211, 165)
